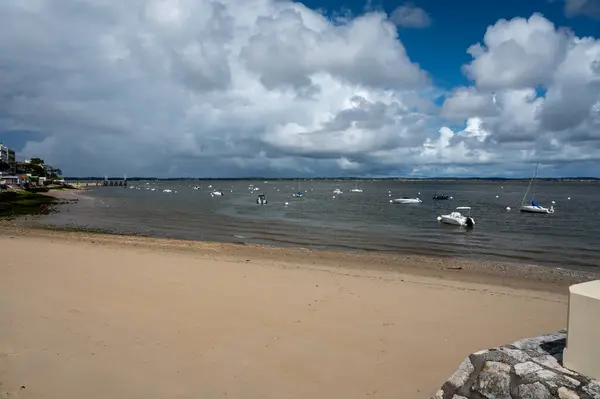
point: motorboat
(217, 193)
(535, 208)
(261, 200)
(458, 219)
(406, 200)
(356, 189)
(167, 190)
(440, 197)
(337, 191)
(299, 194)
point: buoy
(334, 197)
(553, 202)
(391, 201)
(496, 196)
(439, 218)
(419, 193)
(508, 208)
(569, 198)
(451, 197)
(286, 204)
(389, 195)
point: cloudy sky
(233, 88)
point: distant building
(8, 156)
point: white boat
(405, 200)
(217, 193)
(167, 190)
(261, 200)
(356, 189)
(534, 207)
(337, 191)
(457, 218)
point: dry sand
(84, 316)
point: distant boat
(440, 197)
(457, 218)
(356, 189)
(337, 191)
(406, 200)
(533, 207)
(299, 194)
(261, 200)
(217, 193)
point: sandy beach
(97, 316)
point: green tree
(36, 161)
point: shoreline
(507, 274)
(214, 320)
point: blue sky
(219, 88)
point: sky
(275, 88)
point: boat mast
(530, 182)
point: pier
(106, 182)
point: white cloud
(410, 16)
(536, 93)
(517, 53)
(251, 87)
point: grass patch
(13, 203)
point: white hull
(407, 201)
(356, 190)
(217, 193)
(536, 209)
(338, 191)
(457, 219)
(449, 220)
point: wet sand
(96, 316)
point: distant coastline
(401, 179)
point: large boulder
(527, 369)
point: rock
(536, 390)
(551, 362)
(494, 381)
(526, 368)
(461, 375)
(517, 354)
(593, 389)
(555, 380)
(564, 393)
(542, 345)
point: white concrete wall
(582, 353)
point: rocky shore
(527, 369)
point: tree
(36, 161)
(54, 173)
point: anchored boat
(457, 218)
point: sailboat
(299, 194)
(356, 189)
(533, 207)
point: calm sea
(365, 221)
